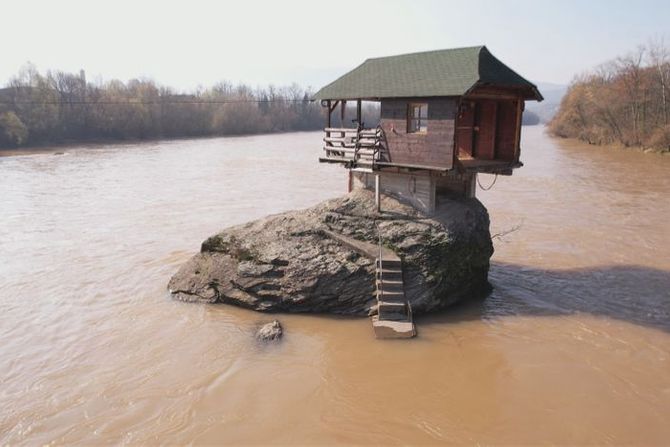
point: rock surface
(270, 331)
(287, 263)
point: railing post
(357, 145)
(328, 125)
(380, 284)
(377, 196)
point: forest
(59, 107)
(622, 102)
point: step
(394, 275)
(391, 282)
(391, 296)
(386, 269)
(394, 264)
(385, 315)
(393, 329)
(393, 313)
(390, 288)
(391, 302)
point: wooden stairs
(394, 313)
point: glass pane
(415, 112)
(424, 111)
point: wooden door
(485, 123)
(507, 130)
(465, 130)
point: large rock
(270, 331)
(287, 263)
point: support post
(471, 186)
(377, 197)
(343, 106)
(520, 104)
(359, 114)
(329, 112)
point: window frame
(417, 124)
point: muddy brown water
(572, 346)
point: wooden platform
(488, 166)
(393, 329)
(366, 249)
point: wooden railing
(380, 284)
(352, 144)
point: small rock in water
(269, 331)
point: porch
(353, 146)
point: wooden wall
(485, 138)
(432, 148)
(417, 190)
(453, 184)
(498, 116)
(507, 131)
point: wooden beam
(412, 166)
(343, 106)
(517, 137)
(341, 129)
(332, 107)
(495, 129)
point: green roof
(451, 72)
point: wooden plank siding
(485, 139)
(495, 120)
(465, 131)
(435, 147)
(416, 189)
(506, 138)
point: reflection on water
(573, 345)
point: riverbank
(615, 146)
(546, 129)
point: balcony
(353, 147)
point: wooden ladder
(394, 313)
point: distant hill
(545, 110)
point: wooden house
(445, 116)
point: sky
(187, 44)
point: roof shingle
(451, 72)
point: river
(572, 346)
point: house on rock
(445, 116)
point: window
(417, 118)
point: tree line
(625, 101)
(59, 107)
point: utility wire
(158, 102)
(490, 186)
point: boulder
(270, 331)
(287, 262)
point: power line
(158, 102)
